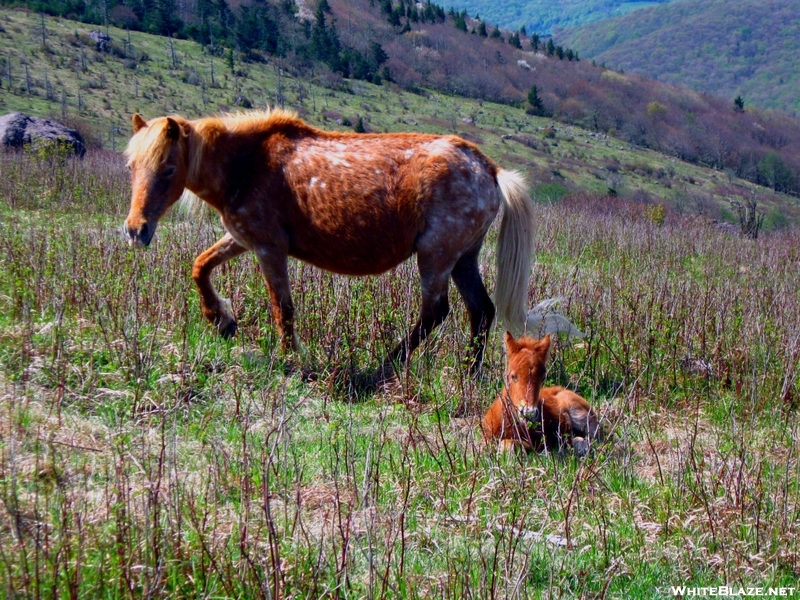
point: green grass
(140, 454)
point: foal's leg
(216, 309)
(435, 308)
(467, 278)
(274, 267)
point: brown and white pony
(527, 415)
(355, 204)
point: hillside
(98, 91)
(722, 47)
(334, 43)
(154, 75)
(543, 16)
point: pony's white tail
(514, 249)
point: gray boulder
(18, 129)
(102, 40)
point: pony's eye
(169, 171)
(514, 377)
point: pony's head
(527, 360)
(158, 160)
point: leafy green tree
(775, 173)
(162, 18)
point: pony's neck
(204, 175)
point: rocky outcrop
(102, 40)
(18, 129)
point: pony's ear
(138, 122)
(173, 129)
(511, 344)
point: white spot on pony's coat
(439, 146)
(409, 154)
(312, 183)
(337, 161)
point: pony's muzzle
(139, 236)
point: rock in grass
(18, 129)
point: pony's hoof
(580, 446)
(228, 330)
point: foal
(527, 415)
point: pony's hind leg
(434, 310)
(467, 277)
(216, 309)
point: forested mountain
(419, 47)
(730, 48)
(542, 16)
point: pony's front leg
(274, 267)
(216, 309)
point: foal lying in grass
(527, 415)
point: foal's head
(158, 160)
(525, 373)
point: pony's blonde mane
(269, 117)
(149, 147)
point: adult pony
(355, 204)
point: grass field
(143, 456)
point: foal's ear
(544, 344)
(511, 344)
(138, 122)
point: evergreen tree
(325, 44)
(536, 106)
(551, 47)
(738, 104)
(535, 42)
(482, 29)
(460, 21)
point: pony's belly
(370, 257)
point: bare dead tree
(750, 219)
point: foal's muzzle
(530, 413)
